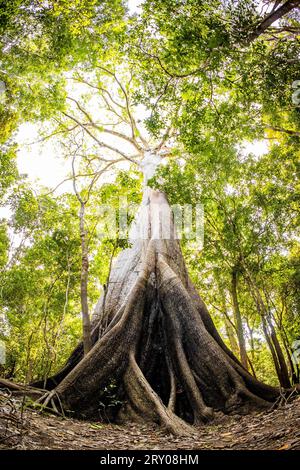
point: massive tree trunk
(155, 347)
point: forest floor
(277, 430)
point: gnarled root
(145, 401)
(20, 389)
(204, 368)
(109, 356)
(161, 348)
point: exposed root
(50, 398)
(81, 386)
(20, 389)
(152, 308)
(172, 397)
(286, 396)
(142, 395)
(221, 373)
(202, 413)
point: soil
(278, 429)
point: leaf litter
(21, 428)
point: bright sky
(41, 161)
(133, 6)
(44, 164)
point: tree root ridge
(161, 351)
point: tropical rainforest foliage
(206, 83)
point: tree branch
(83, 175)
(272, 17)
(173, 74)
(286, 131)
(99, 142)
(134, 129)
(105, 130)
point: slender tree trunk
(281, 360)
(287, 349)
(252, 354)
(29, 371)
(252, 344)
(273, 353)
(231, 336)
(86, 323)
(238, 319)
(271, 338)
(251, 366)
(229, 326)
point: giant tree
(154, 340)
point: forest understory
(277, 429)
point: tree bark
(238, 319)
(283, 367)
(272, 17)
(158, 346)
(229, 325)
(230, 332)
(270, 334)
(86, 323)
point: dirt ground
(276, 430)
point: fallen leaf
(96, 426)
(285, 447)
